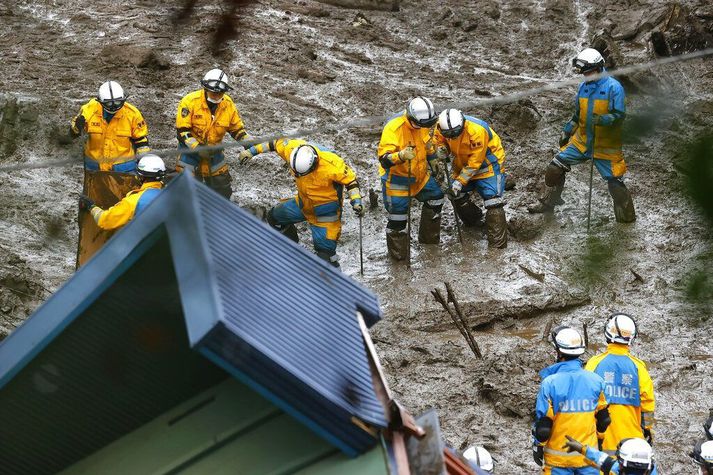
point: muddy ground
(306, 63)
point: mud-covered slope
(305, 63)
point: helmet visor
(215, 85)
(452, 133)
(582, 66)
(113, 105)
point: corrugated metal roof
(265, 309)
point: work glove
(85, 202)
(245, 156)
(358, 207)
(573, 445)
(456, 187)
(649, 436)
(407, 154)
(538, 453)
(708, 426)
(442, 153)
(564, 139)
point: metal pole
(591, 180)
(455, 213)
(408, 217)
(361, 244)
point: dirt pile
(306, 63)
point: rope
(371, 121)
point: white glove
(456, 187)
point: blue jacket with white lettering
(571, 397)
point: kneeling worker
(151, 171)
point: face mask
(214, 101)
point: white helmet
(703, 456)
(620, 328)
(567, 341)
(588, 60)
(421, 113)
(480, 457)
(303, 159)
(215, 80)
(450, 123)
(151, 166)
(111, 96)
(635, 456)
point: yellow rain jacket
(111, 146)
(125, 210)
(320, 192)
(197, 126)
(571, 397)
(478, 152)
(630, 393)
(397, 135)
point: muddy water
(304, 63)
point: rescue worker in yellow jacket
(628, 386)
(116, 131)
(570, 401)
(204, 117)
(594, 132)
(151, 171)
(406, 150)
(478, 165)
(321, 176)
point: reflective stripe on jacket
(126, 209)
(477, 152)
(629, 391)
(396, 136)
(110, 145)
(604, 97)
(570, 396)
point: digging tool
(449, 180)
(361, 244)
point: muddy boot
(397, 243)
(467, 211)
(509, 182)
(623, 204)
(330, 257)
(554, 184)
(221, 184)
(429, 229)
(496, 227)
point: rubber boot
(330, 257)
(623, 204)
(496, 227)
(397, 243)
(468, 212)
(429, 229)
(554, 184)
